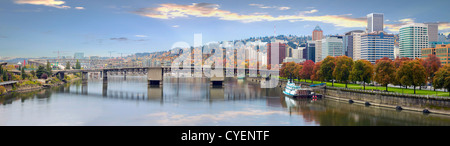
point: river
(191, 102)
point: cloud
(51, 3)
(119, 39)
(141, 36)
(171, 11)
(269, 7)
(175, 26)
(79, 8)
(164, 118)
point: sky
(41, 28)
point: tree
(41, 70)
(362, 71)
(288, 70)
(307, 70)
(49, 68)
(315, 76)
(384, 71)
(442, 78)
(44, 76)
(78, 65)
(68, 65)
(342, 69)
(33, 73)
(24, 75)
(431, 65)
(411, 73)
(327, 68)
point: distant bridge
(155, 75)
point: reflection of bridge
(155, 75)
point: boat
(295, 91)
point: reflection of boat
(298, 92)
(290, 102)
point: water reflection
(189, 101)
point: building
(78, 55)
(375, 22)
(296, 60)
(348, 42)
(441, 51)
(396, 51)
(318, 53)
(432, 32)
(357, 45)
(332, 46)
(433, 44)
(273, 51)
(311, 46)
(442, 38)
(376, 45)
(317, 33)
(413, 37)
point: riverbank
(31, 87)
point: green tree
(24, 75)
(33, 73)
(384, 71)
(78, 65)
(442, 78)
(327, 68)
(41, 70)
(49, 68)
(411, 73)
(342, 69)
(68, 65)
(362, 71)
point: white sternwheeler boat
(295, 91)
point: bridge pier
(125, 75)
(217, 81)
(155, 76)
(105, 75)
(84, 76)
(61, 76)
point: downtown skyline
(37, 28)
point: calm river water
(190, 102)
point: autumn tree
(442, 78)
(315, 76)
(384, 71)
(288, 69)
(342, 69)
(411, 73)
(362, 71)
(327, 68)
(431, 65)
(307, 70)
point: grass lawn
(381, 88)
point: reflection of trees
(333, 113)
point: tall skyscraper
(332, 46)
(273, 51)
(348, 42)
(413, 37)
(432, 32)
(311, 46)
(375, 22)
(318, 53)
(317, 33)
(357, 45)
(377, 45)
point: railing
(389, 93)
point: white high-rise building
(357, 46)
(413, 37)
(318, 53)
(375, 22)
(332, 46)
(377, 45)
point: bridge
(155, 75)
